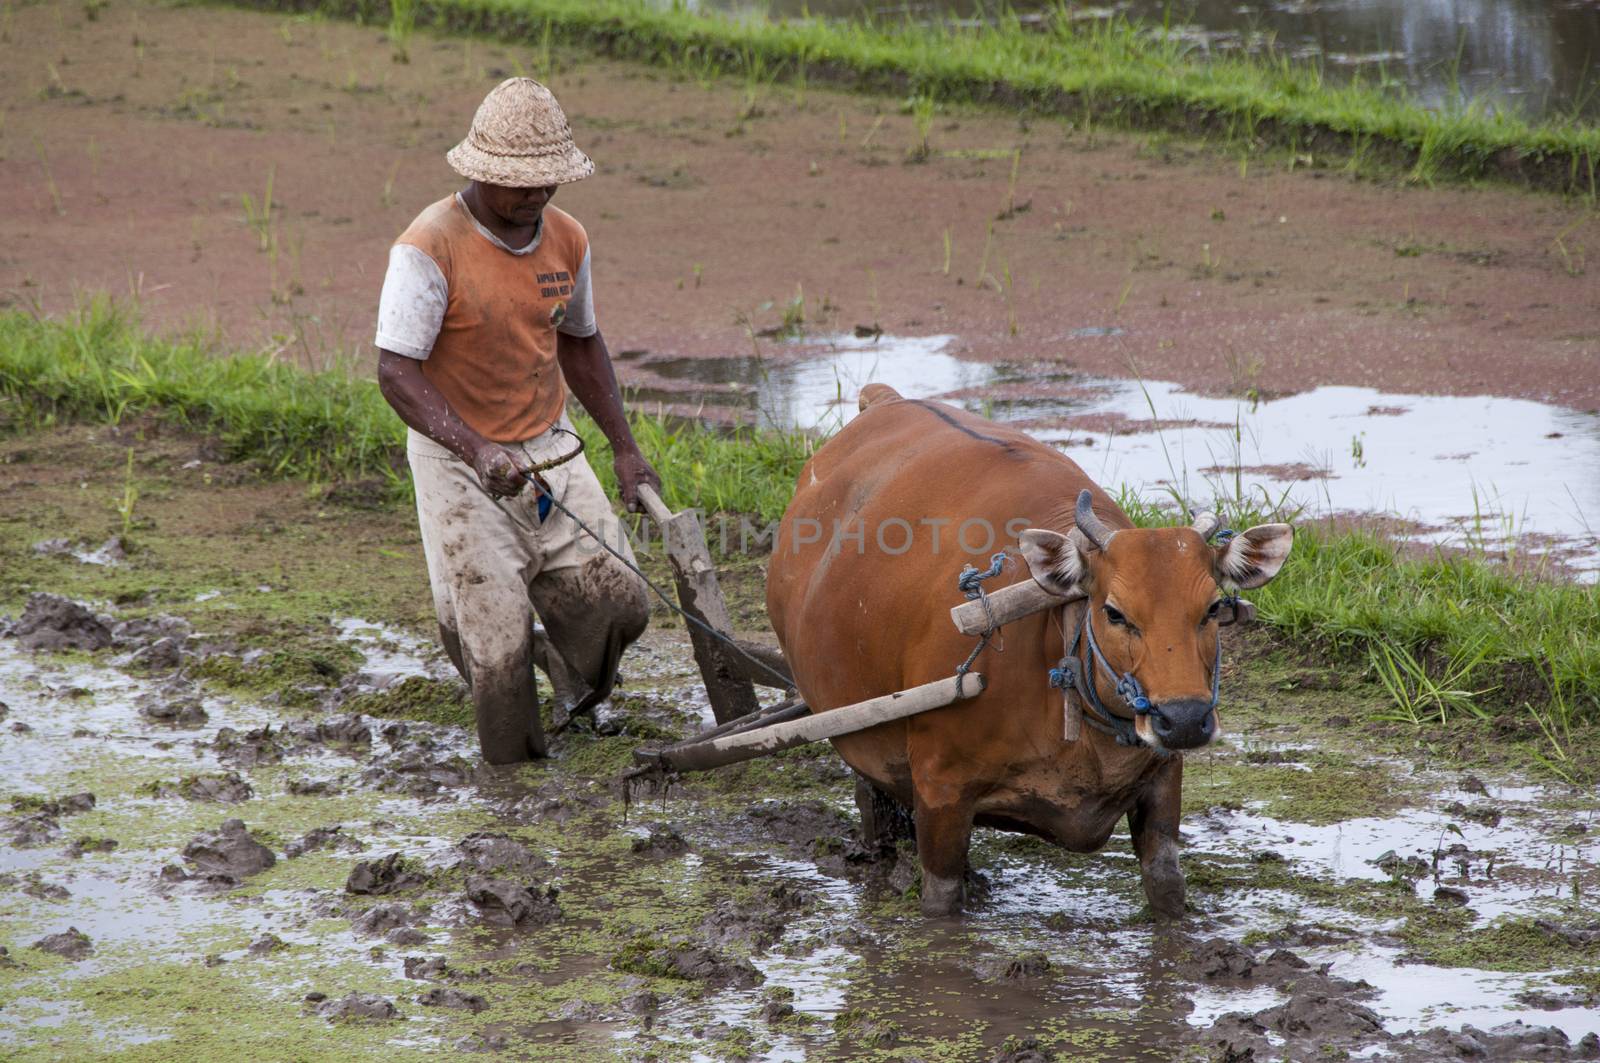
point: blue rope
(971, 584)
(970, 577)
(1064, 677)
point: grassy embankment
(1094, 72)
(1452, 637)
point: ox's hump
(873, 394)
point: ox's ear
(1251, 558)
(1055, 560)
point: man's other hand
(632, 470)
(497, 470)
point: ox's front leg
(1153, 822)
(944, 829)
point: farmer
(486, 319)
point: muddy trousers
(493, 565)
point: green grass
(1095, 71)
(99, 366)
(1453, 636)
(1466, 624)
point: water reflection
(1478, 470)
(1529, 55)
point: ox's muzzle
(1188, 723)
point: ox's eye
(1213, 612)
(1114, 615)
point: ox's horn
(1207, 523)
(1091, 525)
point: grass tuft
(1108, 71)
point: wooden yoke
(700, 596)
(1005, 605)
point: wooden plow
(732, 667)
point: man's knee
(633, 613)
(618, 594)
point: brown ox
(860, 615)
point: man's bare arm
(586, 365)
(422, 407)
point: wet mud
(413, 901)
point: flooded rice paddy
(412, 901)
(1527, 56)
(1481, 472)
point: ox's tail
(873, 394)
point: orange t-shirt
(494, 359)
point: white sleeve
(580, 306)
(411, 308)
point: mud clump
(758, 921)
(40, 828)
(248, 750)
(412, 772)
(856, 1027)
(179, 712)
(162, 655)
(431, 970)
(802, 824)
(1021, 968)
(393, 873)
(687, 962)
(228, 853)
(504, 903)
(229, 788)
(266, 945)
(662, 841)
(71, 944)
(176, 702)
(443, 997)
(321, 838)
(382, 919)
(1579, 937)
(81, 846)
(492, 854)
(359, 1007)
(54, 807)
(53, 623)
(1320, 1015)
(1022, 1050)
(222, 789)
(314, 787)
(1510, 1041)
(341, 730)
(30, 884)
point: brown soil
(128, 140)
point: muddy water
(1528, 56)
(1055, 948)
(1489, 473)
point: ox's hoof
(941, 896)
(1166, 895)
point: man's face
(515, 206)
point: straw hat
(520, 138)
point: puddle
(1487, 473)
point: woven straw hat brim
(559, 165)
